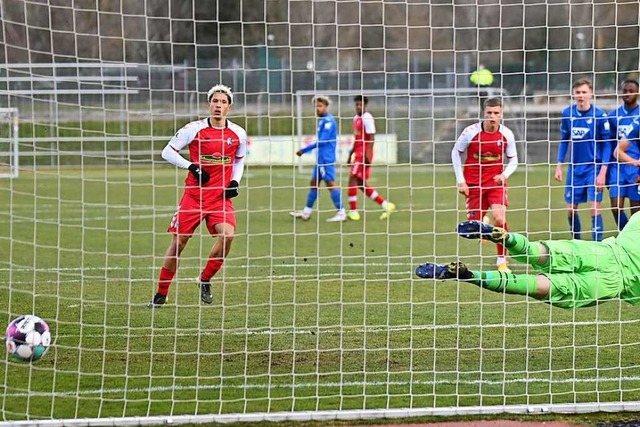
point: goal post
(310, 320)
(9, 143)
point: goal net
(310, 320)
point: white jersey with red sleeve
(218, 150)
(485, 154)
(364, 130)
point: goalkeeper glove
(232, 190)
(201, 175)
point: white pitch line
(333, 330)
(228, 265)
(229, 279)
(66, 220)
(321, 385)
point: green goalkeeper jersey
(626, 247)
(584, 273)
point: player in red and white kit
(216, 150)
(483, 179)
(364, 130)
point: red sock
(501, 250)
(166, 276)
(353, 197)
(210, 270)
(373, 195)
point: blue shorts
(630, 191)
(622, 183)
(324, 173)
(581, 188)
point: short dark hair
(492, 102)
(581, 82)
(632, 81)
(361, 98)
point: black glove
(232, 190)
(201, 175)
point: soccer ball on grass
(27, 338)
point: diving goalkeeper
(571, 273)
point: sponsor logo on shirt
(215, 158)
(579, 133)
(487, 157)
(624, 130)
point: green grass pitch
(306, 315)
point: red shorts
(360, 170)
(191, 212)
(480, 200)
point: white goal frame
(14, 142)
(310, 321)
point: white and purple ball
(28, 338)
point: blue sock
(597, 226)
(621, 219)
(575, 226)
(337, 199)
(311, 197)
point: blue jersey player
(586, 136)
(623, 176)
(324, 169)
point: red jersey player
(360, 158)
(483, 180)
(216, 148)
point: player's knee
(499, 219)
(543, 286)
(182, 242)
(177, 245)
(227, 236)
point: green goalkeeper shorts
(581, 273)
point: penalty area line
(323, 385)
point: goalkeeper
(571, 273)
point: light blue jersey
(326, 143)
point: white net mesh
(309, 319)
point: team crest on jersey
(499, 142)
(229, 141)
(589, 121)
(216, 158)
(579, 133)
